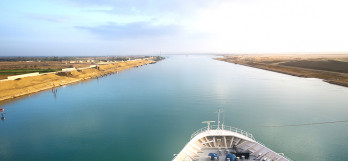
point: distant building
(68, 69)
(22, 76)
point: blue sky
(135, 27)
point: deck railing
(233, 129)
(282, 154)
(223, 127)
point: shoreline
(12, 89)
(276, 65)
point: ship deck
(223, 140)
(204, 154)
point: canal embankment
(331, 68)
(32, 83)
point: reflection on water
(2, 113)
(150, 112)
(54, 91)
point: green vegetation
(68, 58)
(25, 71)
(52, 58)
(117, 59)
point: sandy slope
(15, 88)
(330, 67)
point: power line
(306, 124)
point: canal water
(149, 113)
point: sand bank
(28, 85)
(330, 68)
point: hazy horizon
(115, 27)
(169, 54)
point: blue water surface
(149, 113)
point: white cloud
(276, 26)
(198, 26)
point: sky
(146, 27)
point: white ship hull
(222, 142)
